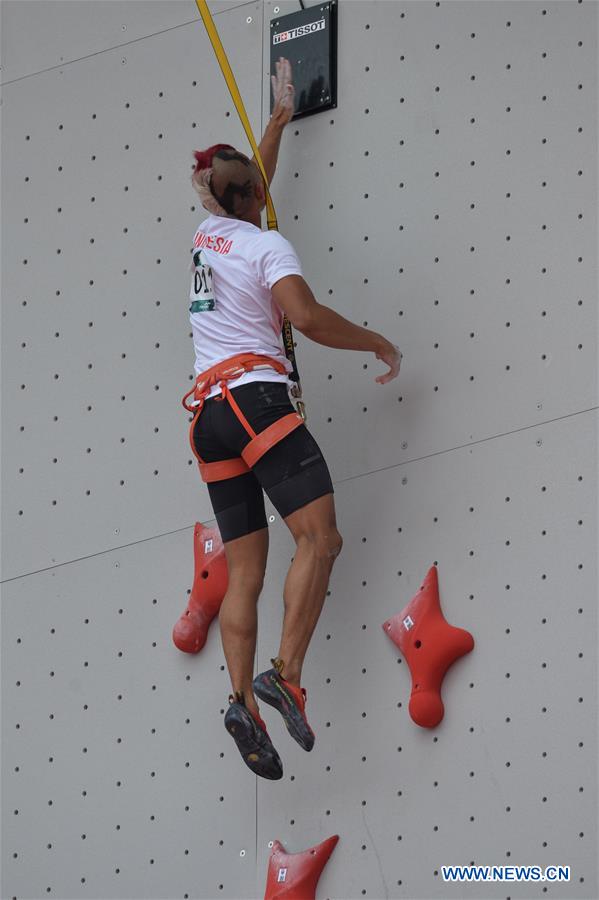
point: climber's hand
(391, 354)
(283, 92)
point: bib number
(202, 292)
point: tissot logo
(300, 31)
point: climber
(246, 434)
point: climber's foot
(290, 701)
(249, 733)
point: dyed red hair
(204, 157)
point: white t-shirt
(234, 266)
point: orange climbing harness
(221, 373)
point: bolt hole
(418, 644)
(205, 573)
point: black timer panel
(308, 39)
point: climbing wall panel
(119, 779)
(508, 777)
(455, 190)
(98, 220)
(448, 202)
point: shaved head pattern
(230, 177)
(233, 180)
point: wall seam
(144, 37)
(338, 481)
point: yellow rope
(271, 216)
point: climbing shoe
(290, 700)
(251, 737)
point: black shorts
(292, 473)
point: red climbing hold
(430, 646)
(209, 587)
(294, 876)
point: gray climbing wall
(448, 202)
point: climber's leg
(296, 478)
(238, 616)
(318, 542)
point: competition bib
(202, 290)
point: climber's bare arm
(325, 326)
(284, 94)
